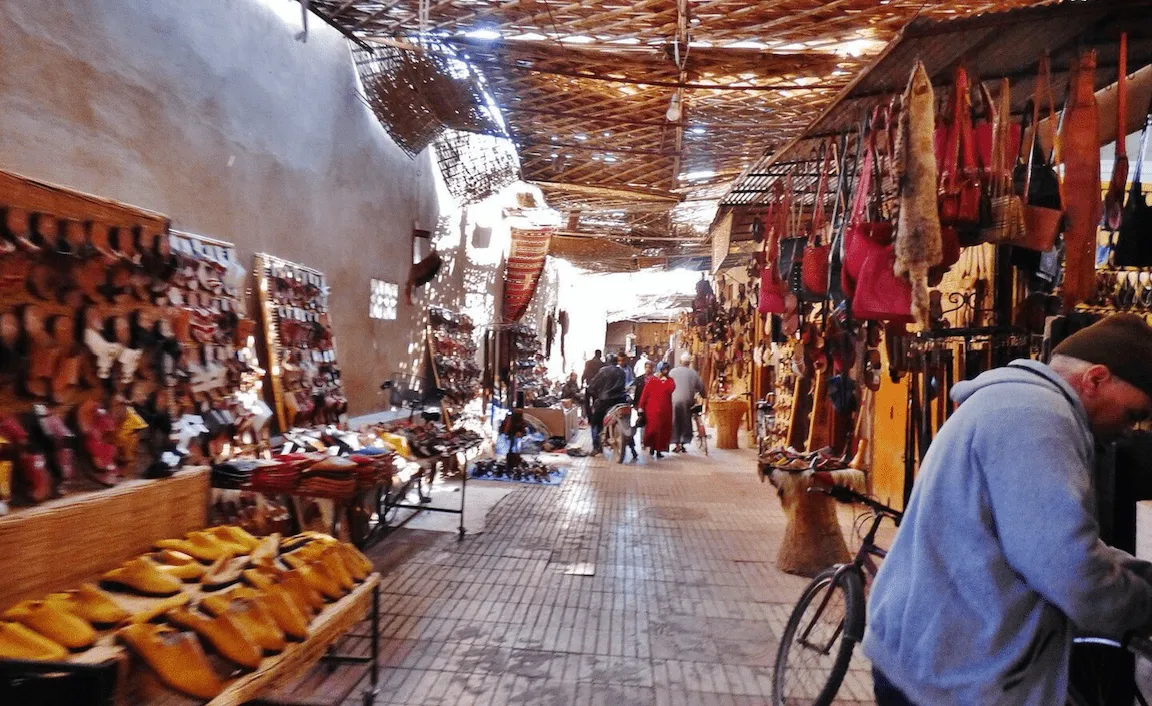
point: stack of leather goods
(453, 350)
(219, 591)
(88, 347)
(300, 339)
(216, 365)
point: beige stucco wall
(212, 113)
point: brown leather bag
(1080, 142)
(960, 188)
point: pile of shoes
(792, 461)
(256, 595)
(454, 355)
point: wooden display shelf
(140, 687)
(63, 542)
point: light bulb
(673, 113)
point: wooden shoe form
(90, 603)
(250, 615)
(179, 564)
(19, 642)
(223, 573)
(176, 657)
(282, 606)
(144, 576)
(53, 621)
(225, 636)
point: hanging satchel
(961, 192)
(1035, 180)
(864, 235)
(814, 275)
(1134, 241)
(1007, 209)
(772, 287)
(880, 294)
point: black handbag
(641, 420)
(1134, 241)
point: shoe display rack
(115, 647)
(305, 377)
(88, 339)
(525, 372)
(219, 381)
(452, 358)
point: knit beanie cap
(1121, 342)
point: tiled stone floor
(636, 584)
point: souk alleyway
(650, 583)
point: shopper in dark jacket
(606, 390)
(591, 367)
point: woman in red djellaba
(656, 403)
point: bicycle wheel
(818, 640)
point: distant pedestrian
(656, 403)
(591, 367)
(688, 386)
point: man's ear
(1097, 375)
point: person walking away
(998, 560)
(606, 391)
(656, 402)
(688, 386)
(591, 367)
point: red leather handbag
(880, 294)
(814, 274)
(960, 188)
(773, 289)
(863, 236)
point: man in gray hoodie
(999, 561)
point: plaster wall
(213, 114)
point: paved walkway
(636, 584)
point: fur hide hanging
(918, 243)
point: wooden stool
(812, 540)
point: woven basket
(727, 416)
(64, 542)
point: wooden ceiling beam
(590, 76)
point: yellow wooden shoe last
(18, 642)
(231, 641)
(176, 658)
(237, 536)
(53, 621)
(144, 576)
(250, 615)
(90, 603)
(282, 605)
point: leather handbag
(1007, 224)
(961, 193)
(864, 236)
(814, 273)
(880, 294)
(1134, 241)
(772, 287)
(1034, 178)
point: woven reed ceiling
(584, 88)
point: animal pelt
(918, 243)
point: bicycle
(617, 433)
(701, 430)
(765, 420)
(816, 648)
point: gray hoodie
(999, 558)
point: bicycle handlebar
(846, 495)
